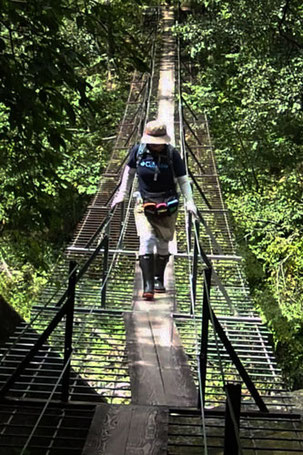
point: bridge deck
(118, 429)
(159, 369)
(138, 357)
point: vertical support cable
(189, 230)
(69, 328)
(105, 272)
(122, 214)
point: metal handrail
(232, 415)
(208, 315)
(193, 268)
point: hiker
(158, 166)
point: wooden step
(128, 430)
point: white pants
(149, 243)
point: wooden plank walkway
(128, 430)
(160, 375)
(159, 369)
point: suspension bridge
(98, 370)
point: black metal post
(204, 337)
(104, 275)
(97, 232)
(87, 264)
(64, 301)
(227, 344)
(69, 329)
(232, 419)
(195, 269)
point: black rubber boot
(160, 264)
(147, 266)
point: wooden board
(159, 370)
(129, 430)
(164, 302)
(145, 374)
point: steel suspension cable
(114, 259)
(188, 248)
(62, 298)
(126, 215)
(39, 312)
(98, 232)
(68, 362)
(23, 452)
(193, 297)
(217, 345)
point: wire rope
(105, 224)
(77, 340)
(192, 296)
(232, 414)
(188, 248)
(45, 406)
(39, 312)
(114, 259)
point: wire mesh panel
(258, 436)
(100, 359)
(251, 342)
(99, 362)
(61, 429)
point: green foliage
(64, 73)
(249, 82)
(271, 229)
(21, 284)
(55, 63)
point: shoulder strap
(170, 152)
(140, 153)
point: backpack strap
(141, 151)
(170, 154)
(170, 151)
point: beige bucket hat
(155, 133)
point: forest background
(65, 67)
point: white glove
(191, 208)
(125, 185)
(138, 198)
(188, 195)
